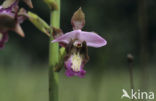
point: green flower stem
(54, 56)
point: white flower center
(76, 62)
(77, 43)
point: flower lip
(74, 66)
(92, 39)
(75, 59)
(70, 73)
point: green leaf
(39, 23)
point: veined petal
(92, 39)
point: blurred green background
(129, 26)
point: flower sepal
(9, 23)
(78, 19)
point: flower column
(54, 54)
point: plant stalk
(54, 55)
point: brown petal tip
(78, 19)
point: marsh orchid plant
(73, 50)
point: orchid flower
(10, 19)
(76, 43)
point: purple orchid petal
(66, 38)
(11, 10)
(92, 39)
(6, 12)
(10, 20)
(71, 73)
(12, 6)
(74, 71)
